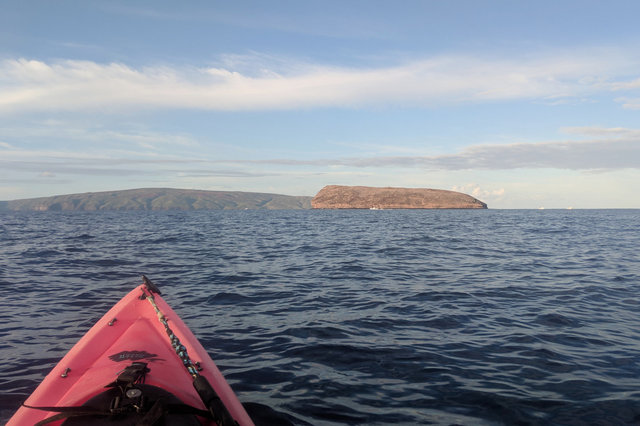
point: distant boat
(375, 208)
(540, 208)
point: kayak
(138, 365)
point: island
(365, 197)
(160, 199)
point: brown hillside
(364, 197)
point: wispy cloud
(263, 16)
(605, 149)
(45, 163)
(614, 148)
(613, 133)
(629, 103)
(84, 133)
(27, 85)
(590, 155)
(623, 85)
(49, 168)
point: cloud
(572, 155)
(618, 148)
(604, 149)
(629, 103)
(623, 85)
(478, 192)
(265, 17)
(83, 133)
(28, 85)
(616, 133)
(53, 168)
(49, 164)
(206, 173)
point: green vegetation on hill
(161, 199)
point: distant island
(160, 199)
(329, 197)
(365, 197)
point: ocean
(347, 317)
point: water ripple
(353, 317)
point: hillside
(364, 197)
(160, 199)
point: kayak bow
(139, 363)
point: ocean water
(472, 317)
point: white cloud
(481, 193)
(27, 85)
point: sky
(521, 104)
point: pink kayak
(139, 364)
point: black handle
(213, 402)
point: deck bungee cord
(206, 392)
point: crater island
(366, 197)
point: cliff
(364, 197)
(161, 199)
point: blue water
(474, 317)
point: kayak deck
(129, 332)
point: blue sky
(521, 104)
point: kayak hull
(129, 332)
